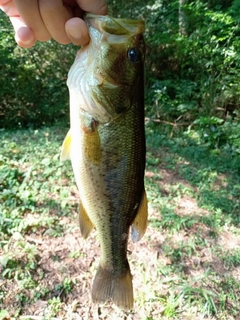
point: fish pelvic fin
(108, 285)
(66, 147)
(139, 225)
(85, 222)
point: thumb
(77, 31)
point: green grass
(193, 236)
(211, 180)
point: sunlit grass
(193, 232)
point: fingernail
(75, 33)
(25, 44)
(28, 41)
(24, 36)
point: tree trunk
(182, 18)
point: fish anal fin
(118, 288)
(66, 147)
(139, 225)
(85, 223)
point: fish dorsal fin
(139, 225)
(66, 147)
(86, 224)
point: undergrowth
(194, 204)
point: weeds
(192, 239)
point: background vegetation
(192, 68)
(192, 269)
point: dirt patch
(188, 206)
(64, 267)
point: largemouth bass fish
(106, 145)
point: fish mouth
(114, 26)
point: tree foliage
(192, 66)
(32, 81)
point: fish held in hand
(106, 145)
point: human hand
(42, 20)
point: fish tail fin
(117, 287)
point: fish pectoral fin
(92, 147)
(86, 224)
(117, 287)
(139, 225)
(66, 147)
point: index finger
(93, 6)
(29, 12)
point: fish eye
(134, 55)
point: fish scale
(106, 145)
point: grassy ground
(187, 266)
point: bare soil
(55, 262)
